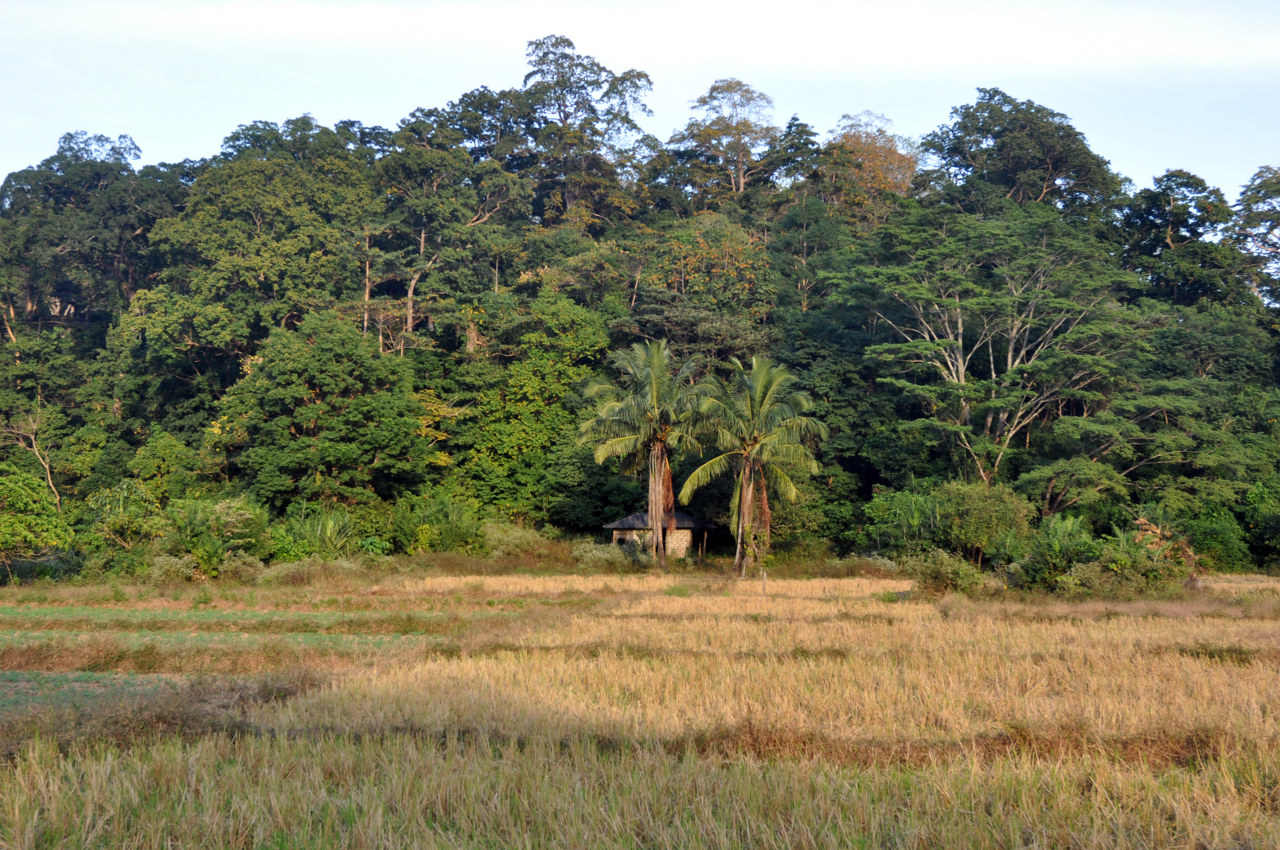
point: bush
(125, 515)
(977, 520)
(303, 573)
(371, 526)
(858, 565)
(1147, 560)
(902, 521)
(506, 540)
(209, 529)
(284, 547)
(1218, 540)
(172, 569)
(981, 520)
(54, 566)
(942, 572)
(1060, 544)
(608, 557)
(800, 553)
(441, 522)
(240, 566)
(322, 531)
(1260, 513)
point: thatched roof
(638, 521)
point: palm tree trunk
(742, 556)
(657, 522)
(766, 515)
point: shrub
(800, 553)
(240, 566)
(977, 520)
(441, 522)
(608, 557)
(1060, 544)
(322, 531)
(208, 529)
(407, 515)
(172, 569)
(57, 565)
(981, 520)
(284, 547)
(942, 572)
(858, 565)
(371, 526)
(125, 515)
(303, 573)
(1260, 513)
(507, 540)
(1218, 540)
(902, 521)
(1146, 560)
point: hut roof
(640, 520)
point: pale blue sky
(1153, 84)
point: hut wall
(679, 542)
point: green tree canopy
(320, 414)
(30, 522)
(760, 427)
(1019, 150)
(643, 417)
(1001, 321)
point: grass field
(411, 710)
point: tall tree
(1174, 238)
(511, 448)
(1000, 321)
(761, 431)
(863, 171)
(705, 285)
(320, 415)
(74, 232)
(586, 121)
(1018, 150)
(1257, 222)
(646, 415)
(443, 206)
(732, 134)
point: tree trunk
(368, 286)
(657, 520)
(742, 553)
(766, 516)
(27, 435)
(408, 305)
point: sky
(1153, 84)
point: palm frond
(617, 447)
(705, 474)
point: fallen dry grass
(840, 712)
(839, 671)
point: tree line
(416, 322)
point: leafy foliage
(29, 520)
(988, 344)
(761, 430)
(322, 416)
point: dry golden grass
(401, 792)
(585, 711)
(844, 668)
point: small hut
(635, 529)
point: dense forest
(996, 345)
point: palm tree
(760, 428)
(644, 416)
